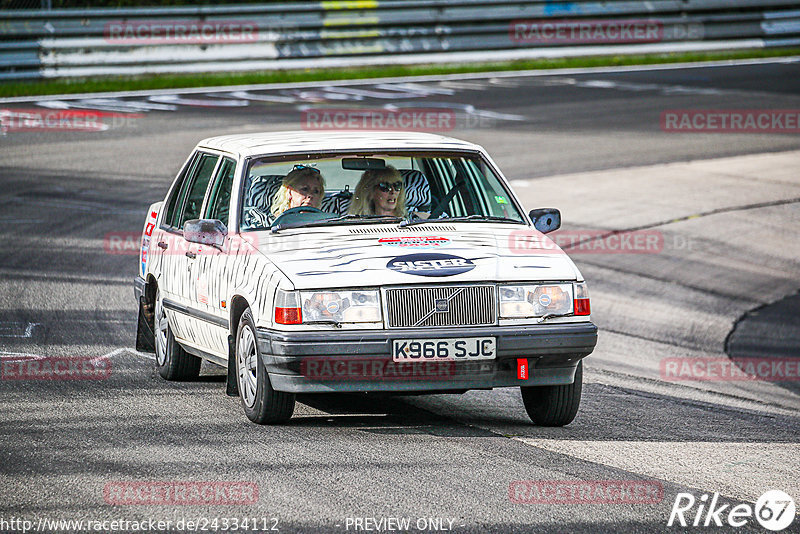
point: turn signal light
(581, 302)
(582, 307)
(288, 315)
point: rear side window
(197, 185)
(177, 191)
(220, 199)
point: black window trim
(219, 156)
(177, 183)
(210, 188)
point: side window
(180, 185)
(220, 199)
(193, 198)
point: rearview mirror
(546, 219)
(363, 164)
(205, 232)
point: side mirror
(546, 219)
(205, 232)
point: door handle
(191, 255)
(163, 245)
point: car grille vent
(415, 229)
(441, 306)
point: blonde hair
(280, 202)
(363, 197)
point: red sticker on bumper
(522, 368)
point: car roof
(268, 143)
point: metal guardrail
(90, 42)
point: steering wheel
(296, 211)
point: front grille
(417, 307)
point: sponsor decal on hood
(430, 264)
(418, 242)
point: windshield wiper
(349, 217)
(342, 219)
(475, 217)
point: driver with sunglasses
(380, 192)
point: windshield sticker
(500, 200)
(417, 242)
(430, 264)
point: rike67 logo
(774, 510)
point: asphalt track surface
(591, 144)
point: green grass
(175, 81)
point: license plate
(433, 350)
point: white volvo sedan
(405, 264)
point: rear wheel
(172, 362)
(554, 405)
(261, 403)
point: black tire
(172, 362)
(262, 404)
(554, 405)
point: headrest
(418, 191)
(337, 203)
(262, 191)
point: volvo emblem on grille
(442, 305)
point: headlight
(535, 300)
(299, 307)
(341, 306)
(307, 307)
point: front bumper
(359, 361)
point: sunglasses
(303, 167)
(386, 187)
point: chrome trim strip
(197, 314)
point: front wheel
(554, 405)
(261, 403)
(172, 362)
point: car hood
(379, 255)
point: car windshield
(374, 188)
